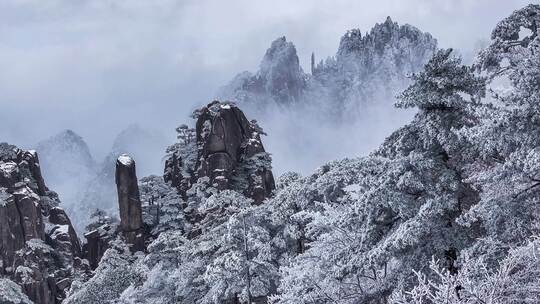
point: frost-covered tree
(507, 169)
(163, 206)
(229, 259)
(441, 84)
(285, 218)
(445, 92)
(500, 162)
(11, 293)
(99, 218)
(180, 165)
(239, 247)
(514, 280)
(511, 62)
(371, 222)
(115, 273)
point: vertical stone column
(313, 63)
(129, 202)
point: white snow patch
(4, 196)
(524, 33)
(25, 273)
(12, 293)
(26, 192)
(8, 167)
(37, 244)
(62, 229)
(125, 160)
(353, 190)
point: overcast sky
(98, 66)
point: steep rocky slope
(39, 248)
(280, 78)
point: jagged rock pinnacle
(129, 202)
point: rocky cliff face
(227, 149)
(40, 250)
(97, 242)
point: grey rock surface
(129, 202)
(38, 245)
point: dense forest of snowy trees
(446, 210)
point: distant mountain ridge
(366, 69)
(73, 152)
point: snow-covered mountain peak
(64, 155)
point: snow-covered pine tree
(162, 205)
(508, 168)
(116, 272)
(11, 293)
(514, 280)
(501, 265)
(370, 222)
(180, 164)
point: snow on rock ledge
(125, 160)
